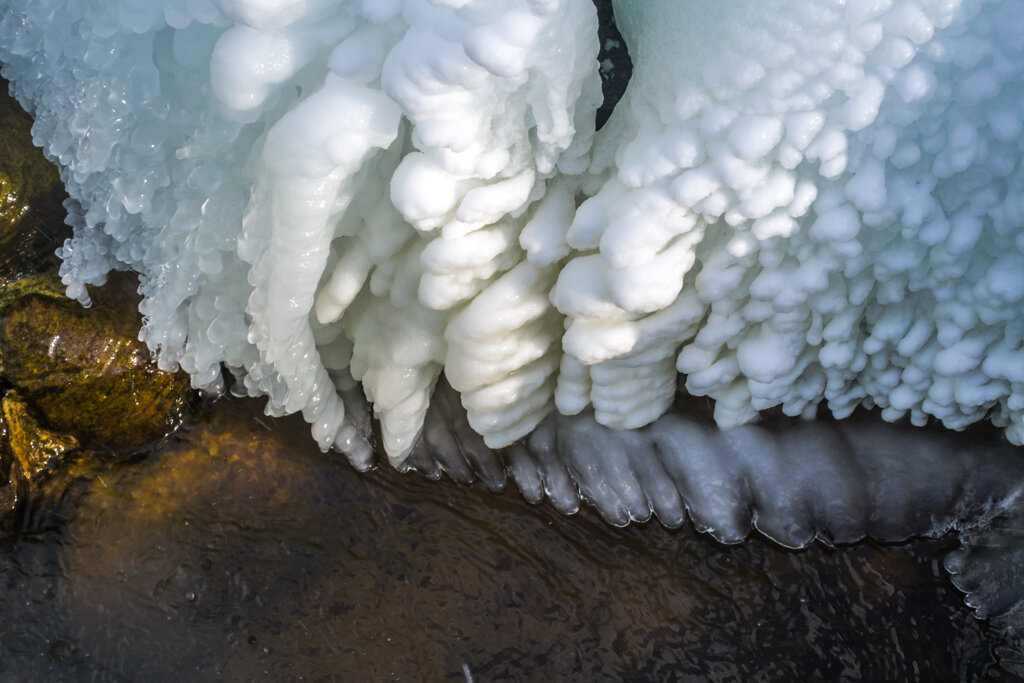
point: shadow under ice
(236, 551)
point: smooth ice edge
(794, 481)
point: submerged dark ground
(237, 551)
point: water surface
(237, 551)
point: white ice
(797, 202)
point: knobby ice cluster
(797, 202)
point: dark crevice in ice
(613, 59)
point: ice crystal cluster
(796, 203)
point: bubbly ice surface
(797, 203)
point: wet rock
(31, 196)
(13, 495)
(27, 451)
(34, 448)
(13, 492)
(83, 371)
(69, 376)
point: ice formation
(796, 203)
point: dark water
(239, 552)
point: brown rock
(35, 448)
(84, 371)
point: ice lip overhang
(795, 203)
(793, 480)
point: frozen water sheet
(799, 205)
(796, 203)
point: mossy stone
(35, 448)
(84, 371)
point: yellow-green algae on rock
(69, 377)
(13, 491)
(83, 371)
(34, 447)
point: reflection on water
(240, 552)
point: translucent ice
(797, 203)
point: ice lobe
(797, 203)
(313, 192)
(838, 186)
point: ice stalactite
(797, 206)
(795, 203)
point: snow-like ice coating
(797, 202)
